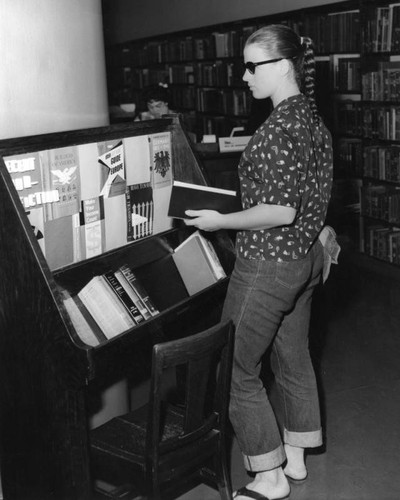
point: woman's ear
(285, 66)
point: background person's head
(156, 99)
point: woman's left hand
(207, 220)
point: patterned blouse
(287, 162)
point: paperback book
(140, 211)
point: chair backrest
(204, 360)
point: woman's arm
(258, 217)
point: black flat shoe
(245, 492)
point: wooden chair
(165, 448)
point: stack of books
(108, 305)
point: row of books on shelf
(382, 28)
(181, 74)
(230, 102)
(381, 122)
(142, 77)
(225, 44)
(383, 83)
(116, 301)
(383, 243)
(108, 305)
(126, 76)
(349, 117)
(158, 51)
(334, 32)
(183, 97)
(346, 73)
(382, 162)
(349, 155)
(220, 74)
(381, 202)
(372, 121)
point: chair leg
(223, 476)
(153, 488)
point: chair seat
(125, 436)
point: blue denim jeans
(270, 303)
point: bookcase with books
(380, 214)
(337, 38)
(94, 272)
(203, 67)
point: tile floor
(355, 341)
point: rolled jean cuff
(311, 439)
(266, 461)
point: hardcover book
(122, 295)
(197, 263)
(132, 294)
(186, 196)
(85, 325)
(105, 307)
(139, 289)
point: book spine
(132, 294)
(139, 289)
(124, 298)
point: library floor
(356, 347)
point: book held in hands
(187, 196)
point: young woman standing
(285, 177)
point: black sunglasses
(251, 66)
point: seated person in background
(156, 98)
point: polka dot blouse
(287, 162)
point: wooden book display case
(47, 372)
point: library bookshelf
(357, 45)
(49, 375)
(380, 209)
